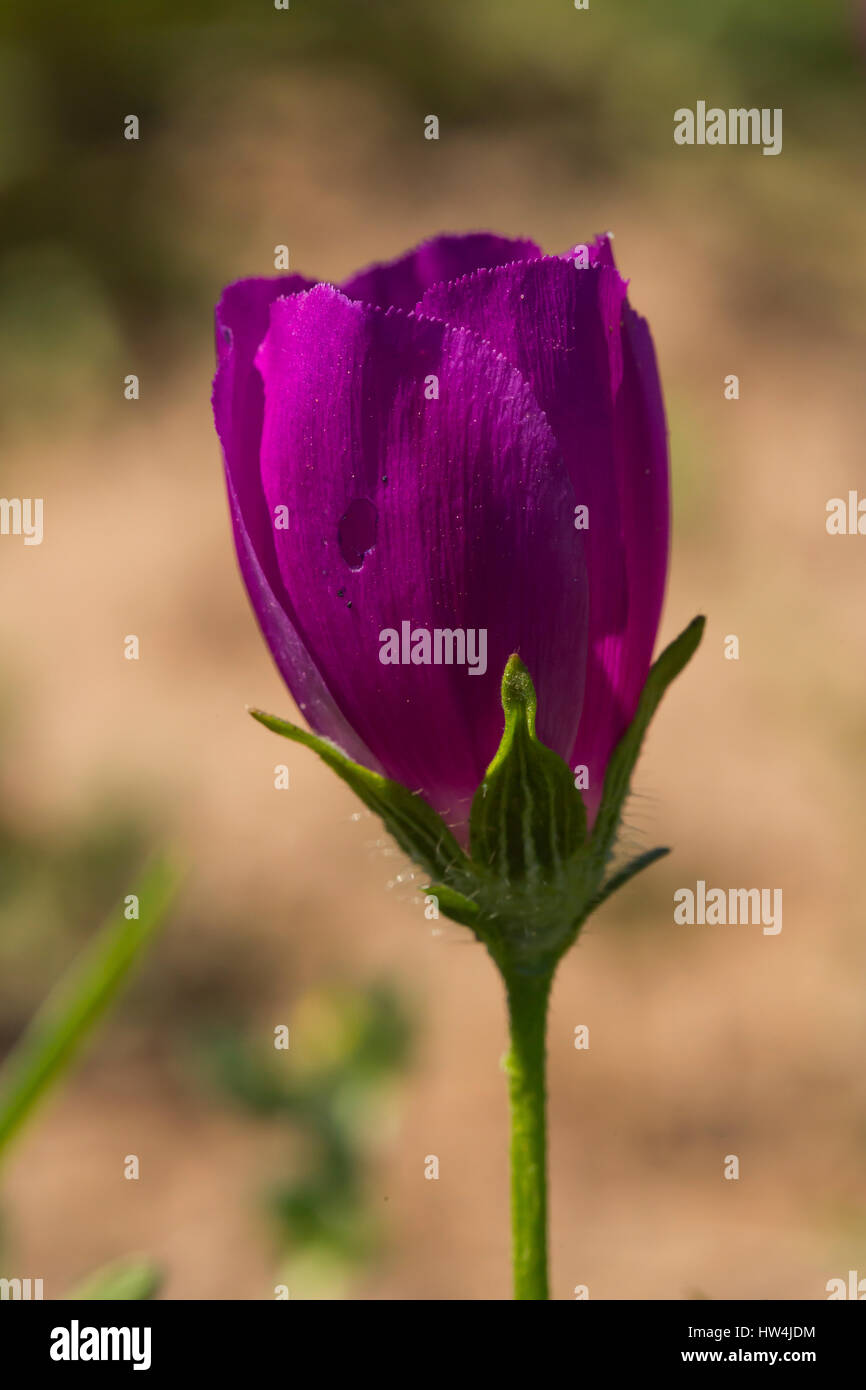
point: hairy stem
(528, 996)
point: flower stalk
(528, 996)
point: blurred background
(305, 127)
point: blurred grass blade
(73, 1008)
(122, 1279)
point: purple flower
(411, 454)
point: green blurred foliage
(58, 878)
(332, 1089)
(123, 1280)
(64, 1024)
(80, 996)
(54, 883)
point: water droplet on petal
(356, 531)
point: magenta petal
(600, 251)
(401, 283)
(449, 511)
(621, 660)
(241, 324)
(544, 316)
(571, 334)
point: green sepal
(622, 763)
(528, 819)
(416, 827)
(624, 875)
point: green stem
(527, 1011)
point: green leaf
(621, 766)
(528, 819)
(416, 827)
(71, 1011)
(134, 1279)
